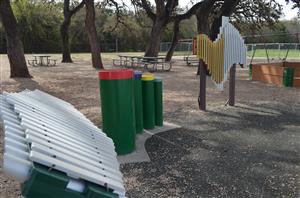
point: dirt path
(251, 150)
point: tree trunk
(175, 39)
(64, 31)
(92, 34)
(15, 49)
(157, 32)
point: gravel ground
(251, 150)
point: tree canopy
(39, 24)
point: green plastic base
(288, 77)
(45, 183)
(117, 106)
(148, 104)
(158, 97)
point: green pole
(117, 105)
(138, 102)
(148, 101)
(158, 97)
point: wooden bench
(191, 60)
(153, 64)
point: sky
(287, 10)
(289, 13)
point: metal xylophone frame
(46, 133)
(219, 58)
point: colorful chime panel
(219, 55)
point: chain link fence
(274, 51)
(271, 51)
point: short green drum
(158, 99)
(148, 101)
(117, 105)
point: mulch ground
(245, 153)
(251, 150)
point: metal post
(202, 91)
(232, 71)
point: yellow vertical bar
(197, 46)
(200, 47)
(222, 62)
(210, 53)
(204, 49)
(205, 52)
(217, 60)
(213, 62)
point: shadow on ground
(247, 151)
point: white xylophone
(40, 128)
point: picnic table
(42, 60)
(148, 63)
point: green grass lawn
(261, 53)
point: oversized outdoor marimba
(55, 151)
(220, 55)
(220, 58)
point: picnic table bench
(156, 63)
(191, 60)
(42, 60)
(148, 63)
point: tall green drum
(148, 101)
(138, 102)
(158, 98)
(116, 89)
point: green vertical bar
(158, 97)
(117, 107)
(148, 104)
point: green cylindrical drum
(158, 99)
(138, 102)
(148, 101)
(288, 77)
(116, 89)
